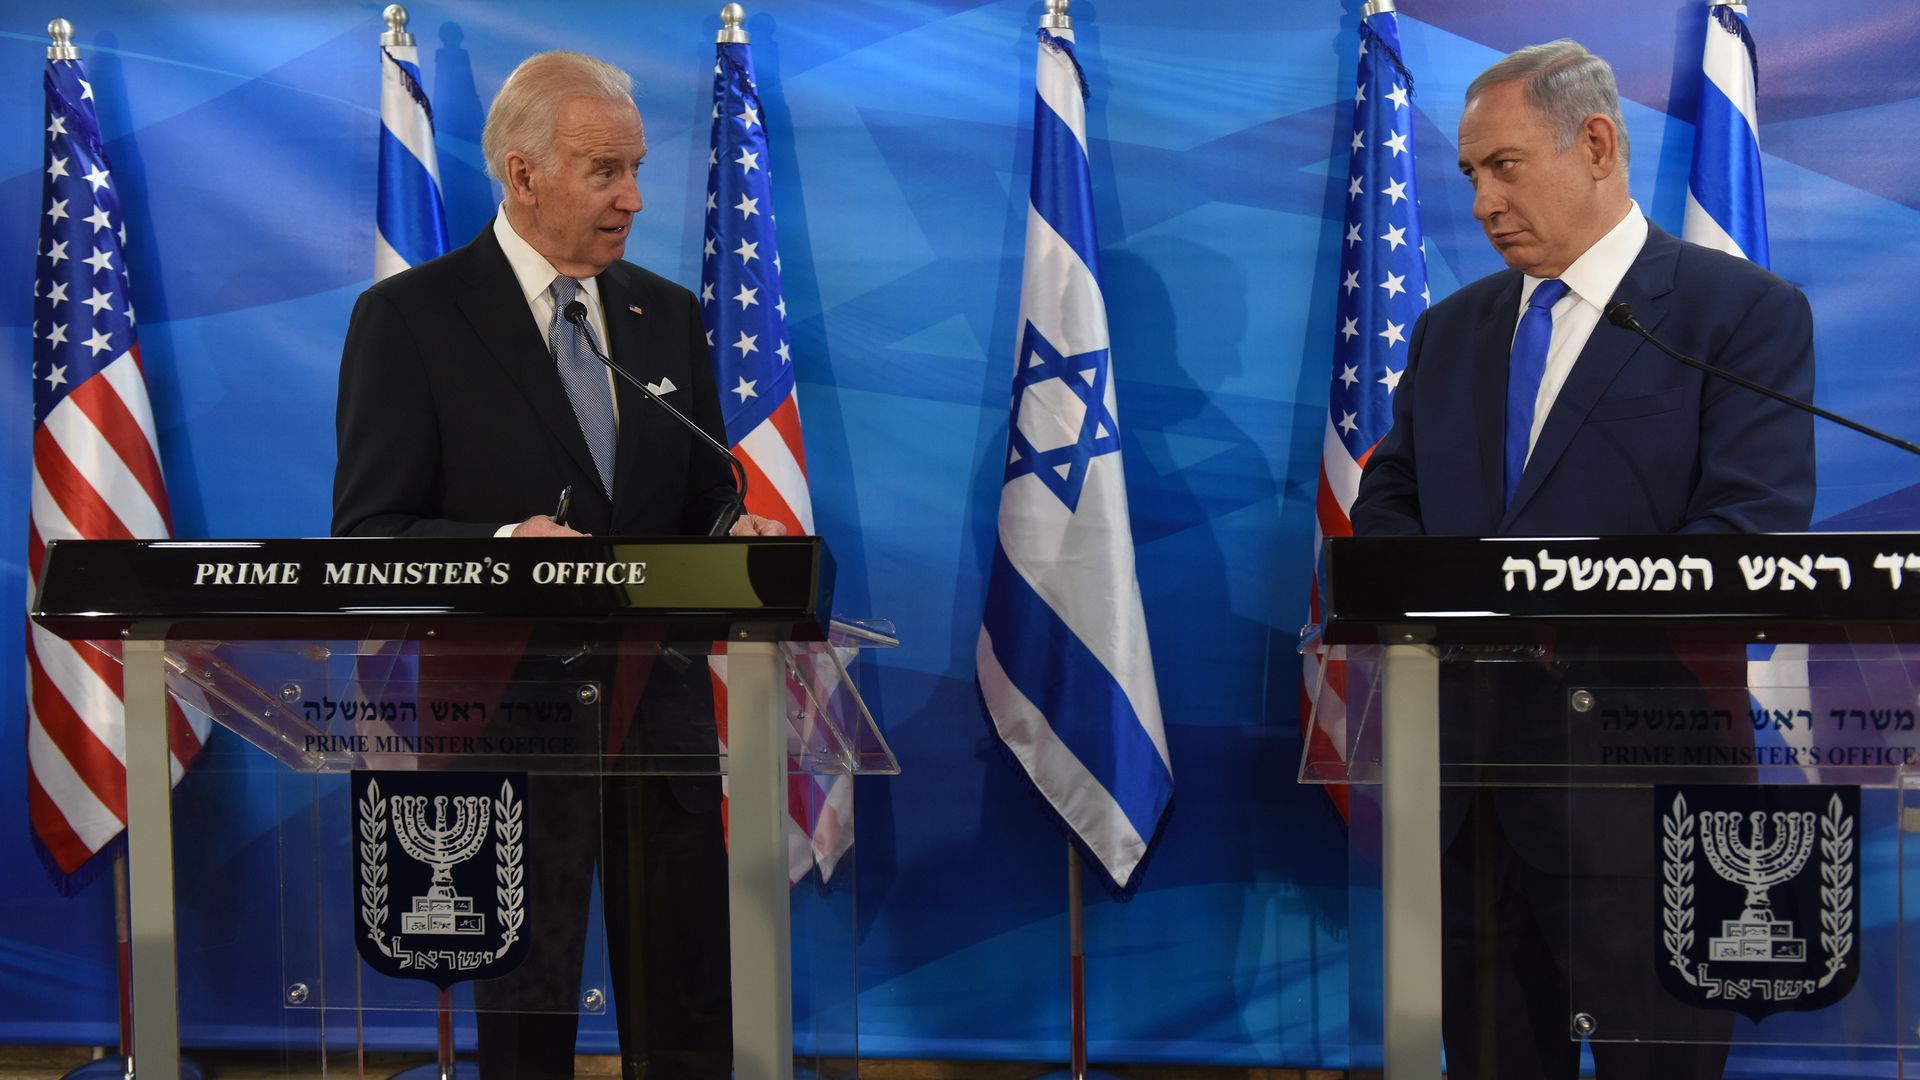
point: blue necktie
(1524, 370)
(585, 379)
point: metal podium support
(757, 892)
(156, 982)
(1410, 857)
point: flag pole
(1057, 18)
(60, 47)
(1077, 967)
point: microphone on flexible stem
(1620, 315)
(576, 313)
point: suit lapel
(1645, 287)
(497, 309)
(1492, 344)
(627, 328)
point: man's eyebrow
(1492, 155)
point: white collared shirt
(1591, 281)
(535, 276)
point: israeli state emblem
(1760, 898)
(439, 870)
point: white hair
(523, 114)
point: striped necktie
(585, 379)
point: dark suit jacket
(1634, 443)
(453, 422)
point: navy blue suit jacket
(1635, 443)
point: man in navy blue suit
(1523, 412)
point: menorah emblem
(1757, 862)
(442, 845)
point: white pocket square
(661, 388)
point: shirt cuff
(506, 530)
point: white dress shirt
(535, 275)
(1590, 282)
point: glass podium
(1649, 794)
(462, 766)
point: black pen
(560, 511)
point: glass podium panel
(1702, 839)
(413, 785)
(1757, 849)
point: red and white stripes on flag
(746, 315)
(96, 476)
(1382, 292)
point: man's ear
(1599, 143)
(521, 179)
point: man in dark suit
(468, 402)
(1522, 412)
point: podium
(1689, 761)
(418, 699)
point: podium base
(462, 1070)
(115, 1068)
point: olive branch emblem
(373, 865)
(509, 891)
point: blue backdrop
(244, 144)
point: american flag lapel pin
(635, 308)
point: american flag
(96, 475)
(746, 317)
(1382, 290)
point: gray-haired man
(1520, 412)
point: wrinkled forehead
(1501, 113)
(599, 125)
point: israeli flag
(1727, 211)
(1064, 664)
(411, 219)
(410, 227)
(1726, 208)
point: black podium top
(1781, 587)
(723, 588)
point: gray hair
(1565, 85)
(523, 114)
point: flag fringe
(96, 866)
(1374, 41)
(414, 90)
(1737, 26)
(1065, 48)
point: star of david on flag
(1063, 660)
(1060, 417)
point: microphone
(1620, 315)
(576, 313)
